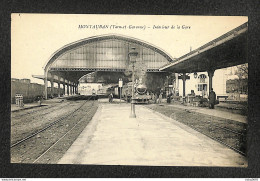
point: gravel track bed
(29, 116)
(34, 123)
(55, 153)
(25, 112)
(214, 127)
(30, 150)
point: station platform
(112, 138)
(214, 112)
(115, 100)
(15, 107)
(32, 105)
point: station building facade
(200, 83)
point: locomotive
(140, 93)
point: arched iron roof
(82, 42)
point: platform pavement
(115, 100)
(112, 138)
(15, 107)
(214, 112)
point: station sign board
(187, 77)
(120, 83)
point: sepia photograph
(137, 90)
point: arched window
(202, 78)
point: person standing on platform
(212, 99)
(39, 100)
(160, 98)
(110, 97)
(152, 97)
(169, 97)
(155, 98)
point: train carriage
(90, 89)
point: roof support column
(73, 90)
(210, 74)
(45, 85)
(52, 87)
(176, 84)
(68, 88)
(58, 86)
(183, 81)
(64, 91)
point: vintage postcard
(141, 90)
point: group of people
(156, 98)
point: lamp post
(132, 55)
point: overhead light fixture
(195, 75)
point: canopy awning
(227, 50)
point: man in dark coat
(212, 99)
(169, 98)
(110, 97)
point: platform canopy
(227, 50)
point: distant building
(200, 84)
(225, 83)
(237, 86)
(201, 87)
(89, 88)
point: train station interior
(105, 59)
(135, 104)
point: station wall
(219, 83)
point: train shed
(106, 54)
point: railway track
(212, 133)
(231, 138)
(229, 131)
(46, 127)
(55, 143)
(17, 121)
(50, 143)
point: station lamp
(132, 56)
(195, 75)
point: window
(202, 87)
(202, 78)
